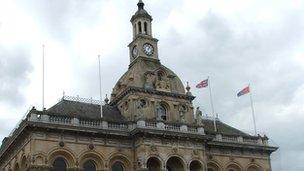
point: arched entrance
(175, 164)
(153, 164)
(59, 164)
(196, 166)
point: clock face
(134, 52)
(148, 49)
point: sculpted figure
(141, 104)
(150, 79)
(198, 116)
(182, 113)
(158, 112)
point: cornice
(132, 89)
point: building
(149, 123)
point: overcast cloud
(235, 43)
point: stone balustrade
(101, 124)
(128, 126)
(239, 139)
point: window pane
(117, 166)
(89, 166)
(59, 165)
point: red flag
(202, 84)
(244, 91)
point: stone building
(149, 123)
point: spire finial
(188, 89)
(140, 4)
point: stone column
(75, 121)
(240, 139)
(45, 118)
(160, 125)
(104, 124)
(141, 123)
(218, 137)
(33, 117)
(184, 128)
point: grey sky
(235, 43)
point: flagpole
(101, 114)
(252, 110)
(212, 107)
(42, 77)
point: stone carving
(140, 162)
(198, 116)
(174, 150)
(141, 105)
(163, 85)
(195, 152)
(150, 80)
(162, 82)
(153, 148)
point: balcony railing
(240, 139)
(101, 124)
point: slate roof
(86, 111)
(222, 128)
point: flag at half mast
(202, 84)
(246, 90)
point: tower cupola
(141, 21)
(143, 44)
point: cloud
(15, 67)
(235, 43)
(60, 19)
(234, 56)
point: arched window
(160, 75)
(253, 168)
(161, 112)
(117, 166)
(196, 166)
(139, 27)
(134, 28)
(89, 166)
(145, 28)
(175, 164)
(153, 164)
(212, 167)
(233, 167)
(59, 164)
(23, 163)
(17, 167)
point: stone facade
(149, 124)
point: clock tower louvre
(143, 44)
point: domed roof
(151, 75)
(141, 12)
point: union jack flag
(202, 84)
(244, 91)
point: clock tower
(143, 44)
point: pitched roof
(86, 110)
(221, 128)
